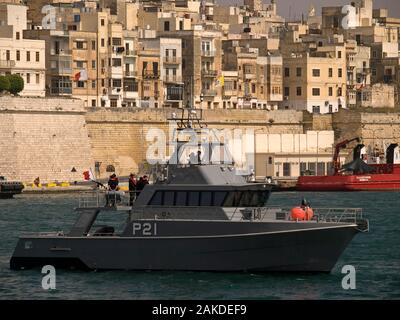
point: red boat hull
(359, 182)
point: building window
(93, 102)
(17, 35)
(37, 56)
(316, 109)
(102, 22)
(93, 84)
(340, 54)
(181, 25)
(102, 42)
(340, 72)
(253, 88)
(316, 72)
(77, 18)
(79, 45)
(93, 64)
(113, 103)
(116, 62)
(298, 72)
(116, 83)
(28, 78)
(79, 64)
(166, 25)
(320, 168)
(18, 55)
(287, 72)
(28, 56)
(37, 78)
(303, 168)
(311, 168)
(80, 84)
(298, 91)
(8, 55)
(93, 45)
(287, 91)
(316, 92)
(286, 169)
(330, 72)
(116, 41)
(339, 92)
(330, 91)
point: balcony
(207, 53)
(249, 76)
(363, 70)
(130, 53)
(130, 74)
(209, 93)
(150, 74)
(61, 70)
(61, 52)
(209, 73)
(172, 78)
(172, 60)
(7, 63)
(61, 91)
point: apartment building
(19, 55)
(315, 80)
(259, 77)
(358, 72)
(131, 75)
(150, 84)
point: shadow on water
(374, 256)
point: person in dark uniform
(141, 184)
(112, 196)
(132, 188)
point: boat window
(206, 198)
(194, 198)
(233, 199)
(219, 197)
(181, 198)
(168, 198)
(245, 199)
(157, 199)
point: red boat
(356, 175)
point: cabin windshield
(234, 198)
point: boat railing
(336, 215)
(105, 199)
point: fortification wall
(43, 138)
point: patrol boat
(196, 216)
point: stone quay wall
(45, 138)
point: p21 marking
(144, 229)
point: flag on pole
(88, 175)
(220, 81)
(81, 75)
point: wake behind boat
(200, 217)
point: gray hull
(312, 248)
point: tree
(16, 83)
(4, 84)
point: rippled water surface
(375, 255)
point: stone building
(315, 80)
(19, 55)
